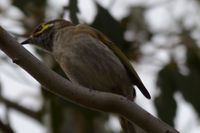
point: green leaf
(168, 82)
(110, 27)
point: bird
(89, 58)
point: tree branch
(88, 98)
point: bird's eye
(38, 28)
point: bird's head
(43, 34)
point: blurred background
(160, 37)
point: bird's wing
(132, 73)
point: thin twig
(9, 104)
(5, 128)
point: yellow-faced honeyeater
(89, 58)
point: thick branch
(92, 99)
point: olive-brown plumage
(89, 58)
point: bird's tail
(127, 126)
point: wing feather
(130, 70)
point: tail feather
(143, 89)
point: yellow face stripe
(42, 29)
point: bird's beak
(27, 41)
